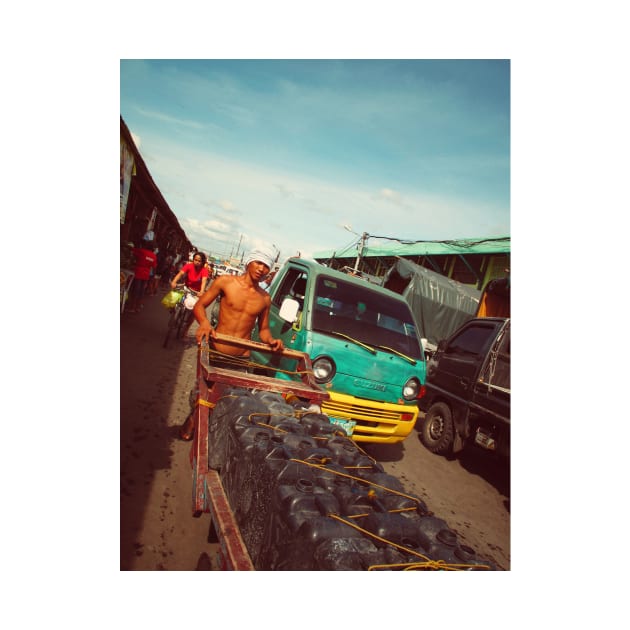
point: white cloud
(225, 201)
(170, 119)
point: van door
(293, 284)
(492, 390)
(458, 364)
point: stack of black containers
(305, 497)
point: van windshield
(369, 317)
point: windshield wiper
(359, 343)
(400, 354)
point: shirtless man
(242, 303)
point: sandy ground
(158, 532)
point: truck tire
(437, 431)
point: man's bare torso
(241, 305)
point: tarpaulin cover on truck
(439, 304)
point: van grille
(358, 412)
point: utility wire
(456, 243)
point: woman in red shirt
(196, 274)
(196, 280)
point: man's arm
(204, 281)
(176, 278)
(264, 332)
(199, 310)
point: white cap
(262, 255)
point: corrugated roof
(144, 179)
(495, 245)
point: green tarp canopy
(440, 305)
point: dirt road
(158, 531)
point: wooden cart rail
(208, 492)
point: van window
(473, 340)
(293, 285)
(497, 370)
(364, 315)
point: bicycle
(181, 314)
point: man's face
(259, 270)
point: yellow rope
(270, 426)
(358, 467)
(359, 479)
(376, 537)
(207, 403)
(427, 564)
(437, 565)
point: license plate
(344, 423)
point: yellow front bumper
(379, 422)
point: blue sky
(287, 152)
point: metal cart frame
(208, 492)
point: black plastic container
(354, 553)
(345, 451)
(247, 452)
(227, 410)
(394, 528)
(318, 424)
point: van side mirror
(289, 310)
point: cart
(208, 493)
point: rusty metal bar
(234, 550)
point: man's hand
(206, 331)
(276, 345)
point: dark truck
(468, 389)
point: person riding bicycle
(196, 280)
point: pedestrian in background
(146, 260)
(156, 273)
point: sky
(305, 156)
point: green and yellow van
(363, 343)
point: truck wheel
(437, 429)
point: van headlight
(411, 389)
(323, 369)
